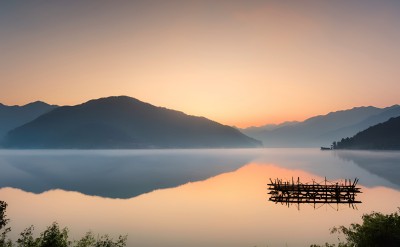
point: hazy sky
(237, 62)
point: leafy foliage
(26, 238)
(3, 226)
(376, 230)
(53, 236)
(3, 219)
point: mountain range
(15, 116)
(383, 136)
(123, 122)
(324, 129)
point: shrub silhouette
(53, 236)
(376, 230)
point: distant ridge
(124, 122)
(321, 130)
(383, 136)
(15, 116)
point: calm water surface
(190, 197)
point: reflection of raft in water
(315, 193)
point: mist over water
(113, 173)
(190, 197)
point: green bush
(53, 236)
(376, 230)
(4, 242)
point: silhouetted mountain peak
(15, 116)
(395, 105)
(38, 105)
(322, 129)
(124, 122)
(35, 103)
(115, 100)
(121, 103)
(384, 136)
(354, 112)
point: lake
(190, 197)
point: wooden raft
(291, 192)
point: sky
(242, 63)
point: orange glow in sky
(240, 63)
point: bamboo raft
(291, 192)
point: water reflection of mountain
(129, 173)
(385, 164)
(114, 174)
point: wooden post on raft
(290, 192)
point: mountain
(15, 116)
(124, 122)
(383, 136)
(268, 127)
(321, 130)
(389, 112)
